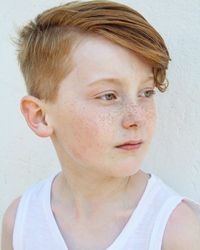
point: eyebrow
(116, 81)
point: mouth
(130, 145)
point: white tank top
(36, 227)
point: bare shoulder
(8, 224)
(182, 230)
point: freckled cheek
(88, 130)
(149, 113)
(94, 137)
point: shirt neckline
(120, 241)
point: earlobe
(33, 111)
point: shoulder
(182, 230)
(8, 224)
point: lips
(130, 145)
(132, 142)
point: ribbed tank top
(36, 228)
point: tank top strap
(161, 221)
(20, 220)
(22, 210)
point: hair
(45, 46)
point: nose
(133, 115)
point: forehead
(96, 57)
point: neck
(87, 194)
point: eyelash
(150, 91)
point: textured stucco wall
(175, 150)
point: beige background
(175, 150)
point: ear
(34, 112)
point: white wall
(175, 151)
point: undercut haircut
(45, 45)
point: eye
(148, 93)
(107, 97)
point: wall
(174, 154)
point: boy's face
(92, 116)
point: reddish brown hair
(45, 45)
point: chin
(125, 170)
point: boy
(91, 70)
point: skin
(85, 126)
